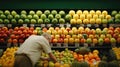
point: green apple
(58, 16)
(35, 16)
(2, 16)
(62, 13)
(33, 21)
(13, 12)
(9, 16)
(46, 20)
(29, 16)
(68, 17)
(47, 12)
(13, 21)
(32, 12)
(54, 12)
(51, 64)
(20, 21)
(117, 16)
(100, 41)
(104, 21)
(50, 16)
(117, 20)
(39, 12)
(39, 32)
(43, 16)
(112, 40)
(54, 20)
(23, 16)
(37, 28)
(1, 12)
(6, 21)
(17, 16)
(114, 12)
(7, 12)
(40, 21)
(24, 12)
(61, 21)
(89, 40)
(110, 21)
(26, 20)
(1, 21)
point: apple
(55, 41)
(6, 21)
(61, 21)
(91, 36)
(77, 40)
(43, 16)
(31, 12)
(20, 21)
(12, 36)
(13, 21)
(117, 16)
(115, 36)
(114, 12)
(57, 36)
(98, 21)
(68, 17)
(89, 40)
(102, 36)
(49, 31)
(89, 16)
(40, 21)
(17, 16)
(58, 16)
(68, 29)
(1, 21)
(71, 12)
(47, 12)
(98, 12)
(117, 20)
(23, 12)
(60, 40)
(60, 32)
(110, 32)
(85, 12)
(20, 40)
(82, 16)
(80, 36)
(39, 12)
(35, 16)
(29, 16)
(108, 17)
(26, 20)
(24, 32)
(107, 40)
(2, 40)
(104, 12)
(118, 40)
(65, 32)
(50, 16)
(73, 21)
(2, 16)
(71, 40)
(70, 32)
(62, 13)
(46, 20)
(95, 16)
(92, 12)
(95, 40)
(74, 36)
(112, 40)
(51, 28)
(13, 13)
(9, 17)
(19, 32)
(33, 21)
(100, 41)
(57, 28)
(79, 12)
(62, 36)
(38, 32)
(68, 36)
(79, 21)
(75, 16)
(23, 16)
(54, 12)
(1, 12)
(54, 20)
(21, 36)
(27, 35)
(82, 40)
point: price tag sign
(88, 25)
(76, 44)
(32, 25)
(24, 25)
(49, 25)
(113, 44)
(61, 25)
(116, 25)
(15, 45)
(96, 25)
(85, 45)
(2, 25)
(92, 44)
(68, 25)
(65, 44)
(42, 25)
(58, 45)
(112, 25)
(9, 45)
(9, 25)
(104, 25)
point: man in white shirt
(30, 51)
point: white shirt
(33, 47)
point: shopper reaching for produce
(30, 51)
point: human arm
(52, 57)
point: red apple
(12, 36)
(22, 28)
(9, 40)
(111, 28)
(15, 32)
(2, 40)
(30, 32)
(107, 40)
(19, 32)
(27, 35)
(15, 41)
(82, 40)
(22, 36)
(62, 36)
(110, 32)
(57, 36)
(55, 41)
(21, 40)
(118, 40)
(60, 40)
(24, 32)
(44, 29)
(68, 28)
(4, 28)
(31, 28)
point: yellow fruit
(95, 16)
(89, 16)
(92, 12)
(79, 12)
(98, 12)
(104, 12)
(79, 21)
(82, 16)
(96, 51)
(92, 21)
(98, 21)
(75, 16)
(66, 65)
(85, 21)
(101, 16)
(108, 17)
(73, 21)
(85, 12)
(71, 12)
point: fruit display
(117, 52)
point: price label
(15, 45)
(112, 25)
(9, 25)
(9, 45)
(2, 25)
(85, 45)
(113, 44)
(42, 25)
(58, 45)
(65, 44)
(61, 25)
(88, 25)
(92, 44)
(96, 25)
(48, 25)
(116, 25)
(104, 25)
(68, 25)
(82, 25)
(32, 25)
(24, 25)
(76, 44)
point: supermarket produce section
(84, 33)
